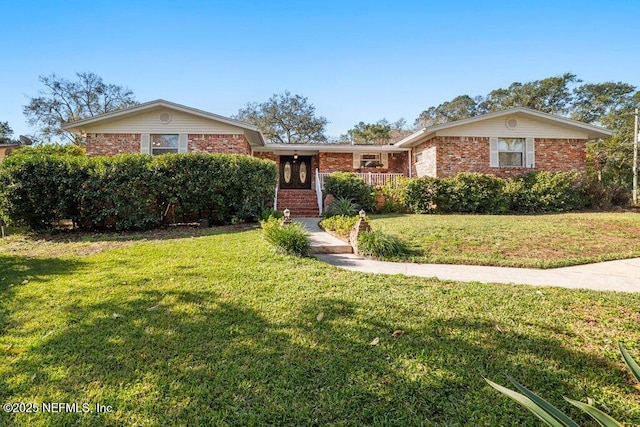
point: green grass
(217, 329)
(538, 241)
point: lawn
(213, 328)
(538, 241)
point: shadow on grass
(14, 270)
(200, 358)
(170, 233)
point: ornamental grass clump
(342, 206)
(381, 245)
(290, 239)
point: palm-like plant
(551, 415)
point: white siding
(526, 127)
(149, 122)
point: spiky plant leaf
(548, 407)
(603, 419)
(633, 366)
(534, 408)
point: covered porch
(304, 167)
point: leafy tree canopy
(382, 132)
(6, 133)
(62, 101)
(286, 119)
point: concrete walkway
(623, 275)
(321, 242)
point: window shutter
(144, 143)
(530, 153)
(182, 143)
(384, 158)
(494, 161)
(356, 160)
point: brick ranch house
(505, 143)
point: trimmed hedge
(472, 193)
(535, 192)
(134, 191)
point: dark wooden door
(295, 173)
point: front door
(295, 173)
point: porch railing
(319, 192)
(372, 178)
(275, 199)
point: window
(370, 160)
(163, 144)
(511, 151)
(418, 157)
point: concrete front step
(331, 249)
(322, 242)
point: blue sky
(354, 60)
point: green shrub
(546, 192)
(342, 206)
(290, 238)
(339, 224)
(472, 193)
(38, 191)
(50, 150)
(270, 213)
(394, 193)
(600, 196)
(122, 193)
(380, 245)
(220, 187)
(347, 185)
(419, 195)
(134, 191)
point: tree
(286, 119)
(460, 107)
(370, 133)
(6, 133)
(381, 132)
(63, 101)
(551, 95)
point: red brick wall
(109, 144)
(398, 163)
(335, 162)
(471, 154)
(212, 143)
(267, 155)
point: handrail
(275, 199)
(319, 192)
(372, 178)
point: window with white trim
(370, 160)
(163, 143)
(511, 151)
